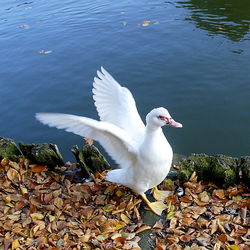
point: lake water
(192, 57)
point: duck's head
(159, 117)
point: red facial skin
(166, 119)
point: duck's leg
(160, 195)
(157, 207)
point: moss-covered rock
(44, 153)
(245, 167)
(90, 159)
(220, 169)
(9, 149)
(224, 170)
(195, 162)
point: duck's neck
(150, 128)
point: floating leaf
(45, 52)
(146, 23)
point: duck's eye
(161, 117)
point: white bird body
(142, 152)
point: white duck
(142, 152)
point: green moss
(9, 149)
(245, 167)
(90, 159)
(224, 170)
(44, 153)
(195, 162)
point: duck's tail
(117, 176)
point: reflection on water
(227, 17)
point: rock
(245, 168)
(44, 153)
(9, 149)
(195, 162)
(90, 159)
(224, 170)
(220, 169)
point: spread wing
(115, 104)
(114, 140)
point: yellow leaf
(237, 198)
(108, 208)
(7, 199)
(146, 23)
(102, 237)
(7, 235)
(37, 216)
(170, 215)
(15, 244)
(10, 204)
(118, 226)
(125, 218)
(51, 218)
(23, 190)
(119, 193)
(115, 235)
(232, 247)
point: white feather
(115, 104)
(116, 141)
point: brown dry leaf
(204, 196)
(214, 226)
(58, 202)
(222, 238)
(89, 141)
(185, 238)
(172, 239)
(217, 246)
(219, 193)
(142, 228)
(13, 175)
(38, 168)
(186, 221)
(4, 162)
(185, 199)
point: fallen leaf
(37, 216)
(13, 175)
(89, 141)
(15, 244)
(142, 229)
(185, 238)
(38, 168)
(219, 193)
(222, 238)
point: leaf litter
(41, 209)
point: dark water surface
(193, 57)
